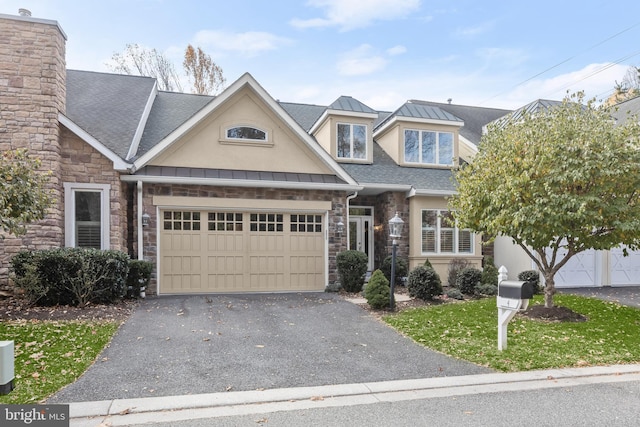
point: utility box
(7, 370)
(514, 289)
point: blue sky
(383, 52)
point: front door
(361, 236)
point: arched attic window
(248, 133)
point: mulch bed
(535, 312)
(14, 308)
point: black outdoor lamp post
(395, 232)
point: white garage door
(580, 271)
(221, 251)
(625, 270)
(600, 268)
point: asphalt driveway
(180, 345)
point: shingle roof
(475, 118)
(385, 171)
(631, 106)
(109, 107)
(304, 114)
(169, 111)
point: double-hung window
(428, 147)
(352, 141)
(440, 234)
(86, 215)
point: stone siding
(32, 95)
(81, 163)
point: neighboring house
(233, 193)
(589, 268)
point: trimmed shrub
(468, 279)
(489, 272)
(352, 266)
(455, 266)
(71, 276)
(377, 292)
(487, 289)
(455, 294)
(532, 276)
(424, 283)
(427, 263)
(138, 277)
(401, 268)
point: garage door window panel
(181, 220)
(224, 221)
(306, 223)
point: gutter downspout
(346, 225)
(139, 221)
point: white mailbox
(513, 296)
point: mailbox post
(513, 296)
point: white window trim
(437, 155)
(456, 234)
(70, 212)
(366, 141)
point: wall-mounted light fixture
(340, 226)
(145, 219)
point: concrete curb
(176, 408)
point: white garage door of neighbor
(581, 270)
(221, 251)
(600, 268)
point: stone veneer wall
(32, 94)
(336, 243)
(83, 163)
(385, 206)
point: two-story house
(233, 193)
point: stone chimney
(32, 94)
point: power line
(601, 69)
(564, 62)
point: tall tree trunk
(549, 289)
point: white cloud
(396, 50)
(360, 61)
(250, 43)
(352, 14)
(596, 80)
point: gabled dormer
(420, 135)
(345, 130)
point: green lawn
(469, 331)
(50, 355)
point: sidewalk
(174, 409)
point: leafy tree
(628, 88)
(558, 182)
(23, 194)
(143, 61)
(205, 75)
